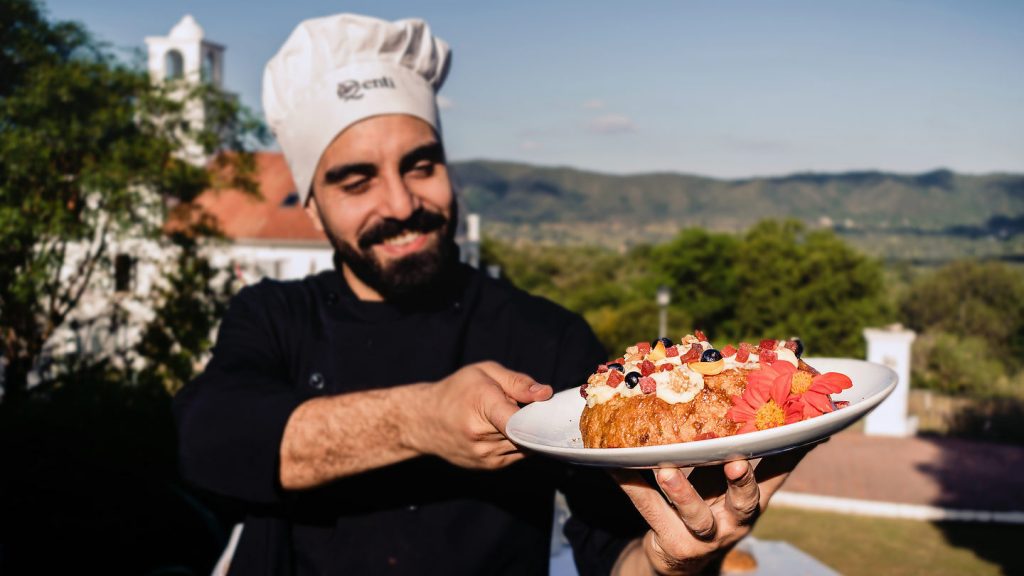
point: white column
(891, 346)
(473, 240)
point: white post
(663, 298)
(891, 346)
(473, 240)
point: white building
(267, 237)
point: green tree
(956, 365)
(699, 268)
(188, 307)
(90, 151)
(775, 281)
(972, 299)
(807, 284)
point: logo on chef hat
(353, 89)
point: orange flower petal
(833, 382)
(794, 412)
(819, 401)
(784, 368)
(756, 394)
(780, 388)
(740, 413)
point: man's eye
(355, 186)
(424, 168)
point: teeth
(402, 239)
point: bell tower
(185, 57)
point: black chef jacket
(282, 343)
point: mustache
(422, 221)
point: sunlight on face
(382, 195)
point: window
(124, 272)
(207, 70)
(174, 65)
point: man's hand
(702, 517)
(462, 418)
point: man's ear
(313, 211)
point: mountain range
(526, 202)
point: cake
(663, 392)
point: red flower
(811, 393)
(765, 403)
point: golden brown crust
(646, 420)
(739, 561)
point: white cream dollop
(678, 385)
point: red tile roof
(242, 217)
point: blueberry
(710, 355)
(616, 366)
(666, 341)
(632, 379)
(799, 346)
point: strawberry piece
(842, 404)
(644, 348)
(666, 367)
(729, 350)
(621, 361)
(646, 368)
(615, 378)
(767, 357)
(583, 390)
(602, 368)
(767, 345)
(648, 385)
(672, 351)
(700, 336)
(692, 355)
(742, 355)
(791, 345)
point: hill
(546, 204)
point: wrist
(411, 412)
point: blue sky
(727, 88)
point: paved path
(943, 472)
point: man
(359, 414)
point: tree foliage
(976, 299)
(775, 281)
(91, 151)
(189, 305)
(970, 320)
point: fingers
(498, 411)
(647, 500)
(742, 497)
(690, 506)
(516, 385)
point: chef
(358, 415)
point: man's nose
(400, 201)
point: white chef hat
(337, 70)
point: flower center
(769, 415)
(800, 383)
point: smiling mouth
(402, 239)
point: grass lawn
(858, 545)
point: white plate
(552, 427)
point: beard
(418, 276)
